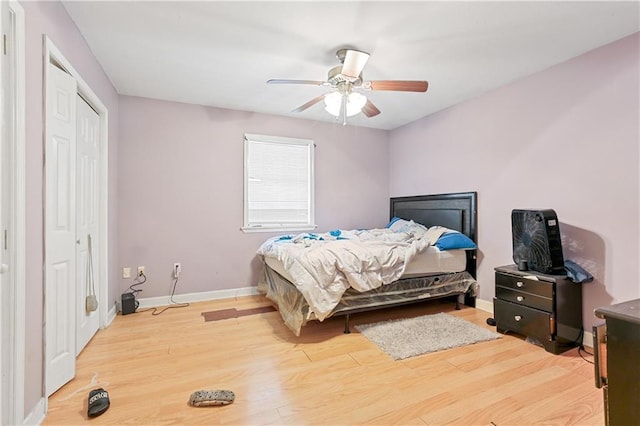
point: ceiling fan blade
(397, 85)
(370, 110)
(281, 81)
(354, 62)
(311, 103)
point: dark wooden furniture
(617, 352)
(547, 308)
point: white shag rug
(409, 337)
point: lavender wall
(181, 189)
(51, 19)
(567, 139)
(175, 174)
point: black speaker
(128, 303)
(536, 240)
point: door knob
(4, 268)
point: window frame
(282, 227)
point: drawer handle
(519, 298)
(519, 284)
(517, 317)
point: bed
(424, 271)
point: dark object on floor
(207, 398)
(491, 322)
(128, 303)
(234, 313)
(98, 402)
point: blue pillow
(455, 240)
(393, 220)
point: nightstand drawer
(524, 298)
(537, 287)
(523, 320)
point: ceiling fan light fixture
(346, 78)
(333, 103)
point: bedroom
(583, 111)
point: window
(278, 184)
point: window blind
(278, 182)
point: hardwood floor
(151, 364)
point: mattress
(428, 262)
(295, 310)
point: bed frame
(457, 211)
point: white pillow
(402, 225)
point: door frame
(53, 55)
(15, 303)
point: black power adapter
(128, 303)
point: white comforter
(324, 266)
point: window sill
(280, 229)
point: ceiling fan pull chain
(344, 110)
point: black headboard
(456, 211)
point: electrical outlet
(140, 270)
(126, 272)
(177, 269)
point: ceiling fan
(347, 79)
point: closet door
(87, 223)
(6, 279)
(60, 228)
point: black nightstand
(547, 308)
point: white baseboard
(152, 302)
(485, 305)
(111, 315)
(587, 339)
(37, 415)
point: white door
(60, 228)
(87, 199)
(12, 213)
(5, 279)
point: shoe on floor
(98, 402)
(206, 398)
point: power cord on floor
(581, 349)
(579, 343)
(172, 303)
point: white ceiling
(222, 53)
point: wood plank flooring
(151, 364)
